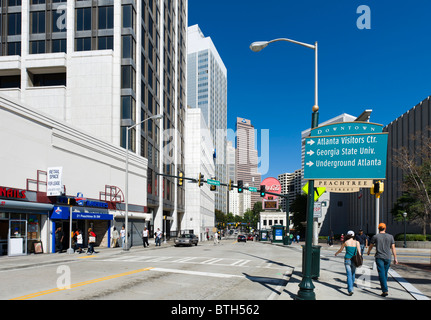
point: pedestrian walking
(79, 241)
(352, 247)
(297, 238)
(115, 237)
(59, 235)
(385, 244)
(91, 241)
(145, 234)
(158, 237)
(123, 236)
(216, 238)
(363, 241)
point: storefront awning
(6, 205)
(62, 213)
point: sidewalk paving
(332, 282)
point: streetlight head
(259, 45)
(405, 214)
(157, 117)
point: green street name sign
(252, 189)
(213, 182)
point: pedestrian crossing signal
(180, 179)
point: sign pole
(70, 250)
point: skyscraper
(207, 90)
(105, 65)
(246, 157)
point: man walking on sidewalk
(384, 243)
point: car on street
(187, 239)
(250, 237)
(241, 238)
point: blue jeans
(350, 271)
(382, 269)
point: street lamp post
(405, 229)
(126, 215)
(306, 287)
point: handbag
(357, 259)
(92, 239)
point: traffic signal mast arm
(195, 180)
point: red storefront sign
(12, 193)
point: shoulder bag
(357, 259)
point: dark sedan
(186, 240)
(242, 238)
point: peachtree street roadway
(230, 271)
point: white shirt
(145, 233)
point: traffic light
(213, 187)
(230, 185)
(201, 180)
(240, 186)
(71, 202)
(180, 179)
(262, 190)
(377, 188)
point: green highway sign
(213, 182)
(346, 151)
(252, 189)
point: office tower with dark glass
(104, 65)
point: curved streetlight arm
(293, 41)
(126, 213)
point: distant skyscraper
(207, 90)
(246, 157)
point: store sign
(271, 185)
(12, 193)
(63, 213)
(54, 184)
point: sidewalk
(332, 285)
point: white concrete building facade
(91, 168)
(199, 213)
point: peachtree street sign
(347, 150)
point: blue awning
(62, 213)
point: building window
(83, 44)
(10, 82)
(37, 19)
(128, 47)
(14, 49)
(47, 80)
(128, 78)
(59, 45)
(37, 1)
(37, 47)
(128, 16)
(59, 20)
(83, 19)
(14, 24)
(128, 108)
(106, 17)
(104, 43)
(14, 3)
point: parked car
(250, 237)
(242, 237)
(186, 240)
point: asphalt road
(228, 271)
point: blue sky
(386, 68)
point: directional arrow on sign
(310, 153)
(311, 142)
(309, 163)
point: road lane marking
(198, 273)
(80, 284)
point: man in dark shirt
(363, 242)
(384, 243)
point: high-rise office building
(105, 65)
(207, 90)
(246, 157)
